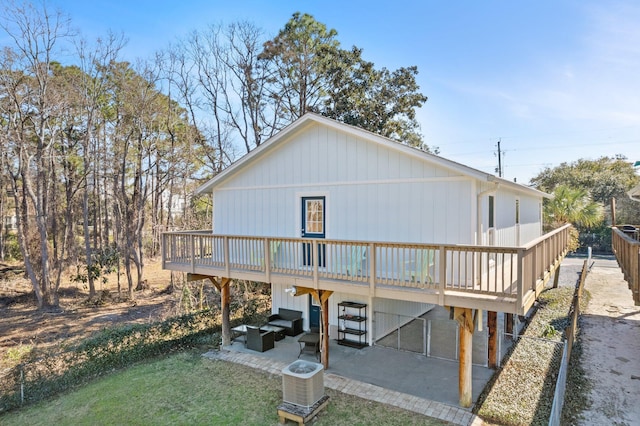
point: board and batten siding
(372, 192)
(387, 314)
(508, 233)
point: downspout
(479, 207)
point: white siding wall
(281, 299)
(385, 323)
(529, 229)
(373, 193)
(386, 313)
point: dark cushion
(289, 314)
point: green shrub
(11, 247)
(110, 349)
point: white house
(365, 188)
(336, 210)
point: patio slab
(409, 373)
(453, 414)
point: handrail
(512, 272)
(627, 252)
(546, 236)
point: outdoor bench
(289, 319)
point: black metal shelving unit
(352, 324)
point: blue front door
(313, 226)
(314, 313)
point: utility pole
(499, 159)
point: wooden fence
(627, 250)
(570, 338)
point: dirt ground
(611, 340)
(21, 324)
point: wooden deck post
(613, 211)
(325, 328)
(322, 297)
(464, 316)
(492, 331)
(556, 276)
(225, 302)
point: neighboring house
(10, 222)
(331, 209)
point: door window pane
(315, 217)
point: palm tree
(572, 205)
(575, 206)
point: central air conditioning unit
(302, 383)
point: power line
(537, 148)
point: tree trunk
(85, 226)
(20, 200)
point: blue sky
(555, 81)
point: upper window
(517, 211)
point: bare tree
(30, 111)
(255, 117)
(94, 62)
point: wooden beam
(301, 291)
(464, 316)
(215, 283)
(492, 326)
(225, 302)
(197, 277)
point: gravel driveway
(611, 341)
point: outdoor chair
(257, 257)
(349, 260)
(310, 343)
(355, 261)
(424, 261)
(259, 340)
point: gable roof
(310, 119)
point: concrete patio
(409, 373)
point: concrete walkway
(611, 347)
(371, 392)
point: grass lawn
(188, 389)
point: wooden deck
(503, 279)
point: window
(313, 226)
(517, 211)
(314, 216)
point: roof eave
(315, 118)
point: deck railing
(627, 250)
(514, 272)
